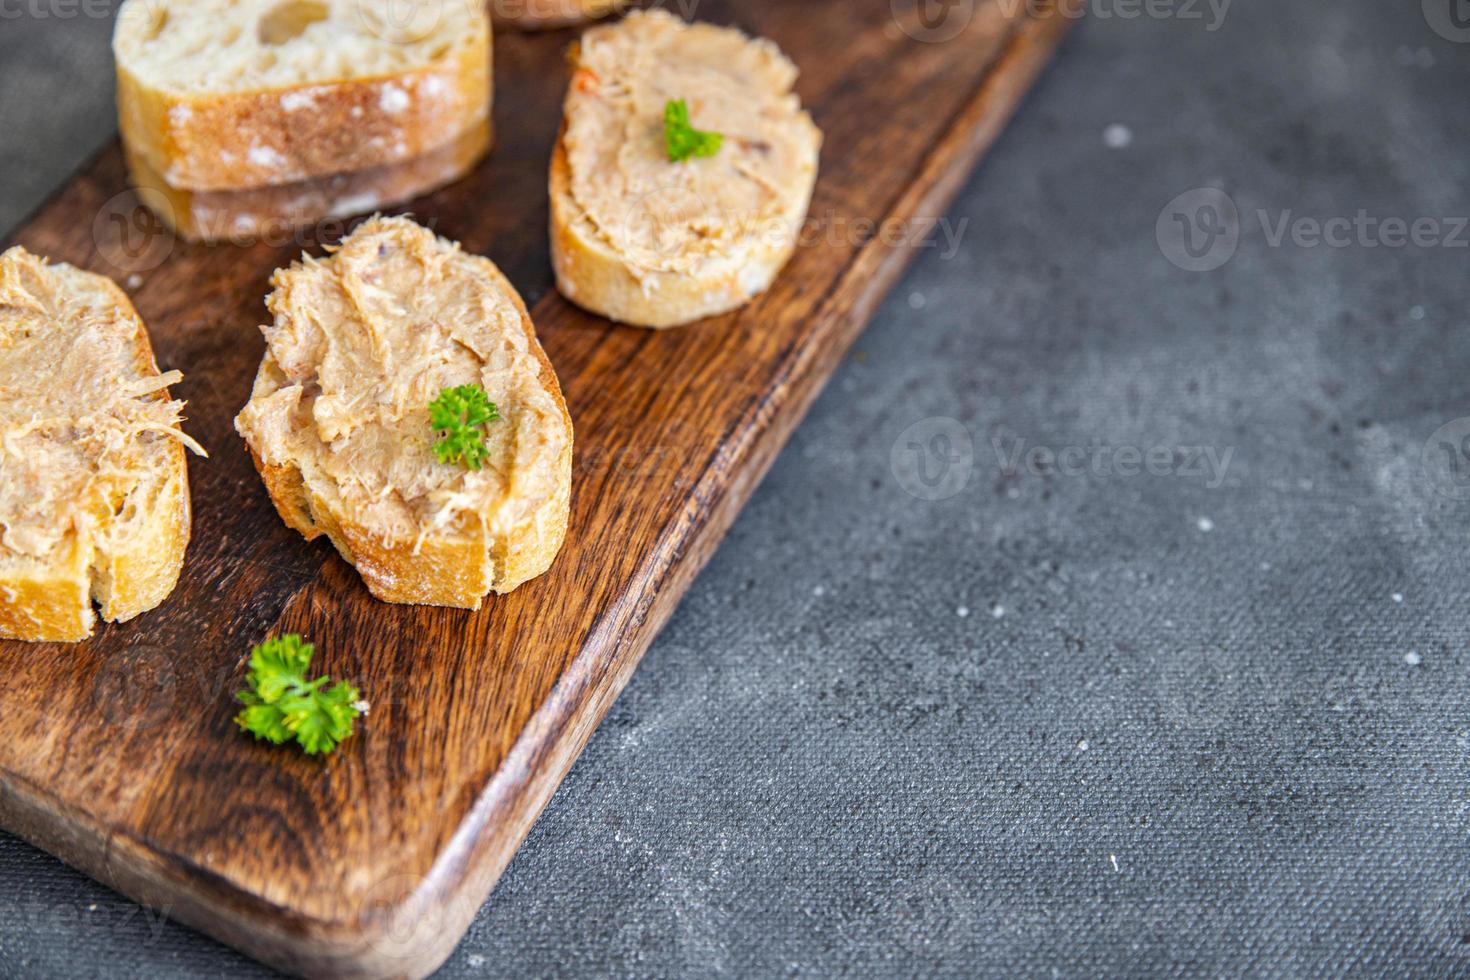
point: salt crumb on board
(1397, 597)
(1117, 137)
(997, 611)
(1413, 659)
(963, 612)
(1205, 524)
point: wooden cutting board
(119, 755)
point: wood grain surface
(120, 755)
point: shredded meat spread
(82, 423)
(362, 342)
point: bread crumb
(294, 101)
(1413, 659)
(1205, 524)
(1117, 136)
(264, 156)
(393, 98)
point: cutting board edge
(467, 871)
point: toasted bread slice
(654, 243)
(338, 422)
(261, 212)
(541, 15)
(235, 94)
(94, 490)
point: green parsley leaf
(281, 704)
(460, 414)
(681, 138)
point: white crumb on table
(997, 611)
(1205, 524)
(1117, 136)
(1397, 597)
(1413, 659)
(1114, 858)
(963, 612)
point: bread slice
(649, 242)
(234, 94)
(250, 215)
(338, 422)
(94, 499)
(541, 15)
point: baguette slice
(249, 215)
(653, 243)
(94, 490)
(542, 15)
(235, 94)
(338, 422)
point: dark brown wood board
(120, 755)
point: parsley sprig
(281, 704)
(682, 139)
(461, 414)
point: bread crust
(213, 141)
(543, 15)
(455, 570)
(599, 279)
(595, 273)
(246, 215)
(51, 598)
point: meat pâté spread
(671, 217)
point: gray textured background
(1057, 723)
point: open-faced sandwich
(683, 173)
(94, 489)
(405, 409)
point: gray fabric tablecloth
(1108, 614)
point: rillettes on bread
(234, 94)
(339, 427)
(94, 489)
(648, 241)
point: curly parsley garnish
(281, 704)
(461, 414)
(682, 139)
